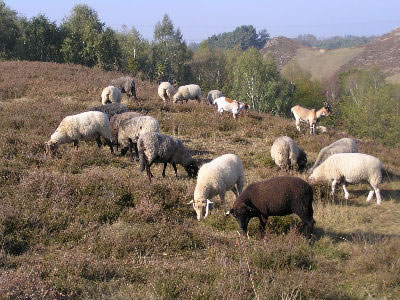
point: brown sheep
(278, 196)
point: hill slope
(86, 224)
(383, 53)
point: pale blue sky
(200, 19)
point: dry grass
(323, 64)
(86, 224)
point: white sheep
(286, 154)
(225, 173)
(86, 126)
(344, 145)
(188, 92)
(229, 105)
(111, 94)
(166, 91)
(212, 95)
(351, 168)
(130, 130)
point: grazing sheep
(224, 173)
(130, 130)
(309, 115)
(166, 91)
(86, 126)
(212, 95)
(351, 168)
(188, 92)
(110, 109)
(286, 154)
(115, 122)
(126, 85)
(226, 104)
(344, 145)
(111, 94)
(277, 196)
(155, 147)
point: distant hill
(383, 53)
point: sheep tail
(142, 156)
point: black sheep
(278, 196)
(126, 85)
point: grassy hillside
(382, 53)
(323, 64)
(87, 224)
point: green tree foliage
(370, 107)
(308, 93)
(86, 39)
(208, 67)
(170, 55)
(136, 52)
(245, 36)
(108, 51)
(334, 42)
(9, 31)
(258, 80)
(42, 40)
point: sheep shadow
(386, 194)
(389, 176)
(357, 237)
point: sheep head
(51, 148)
(202, 209)
(192, 169)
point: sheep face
(51, 148)
(302, 160)
(202, 209)
(326, 110)
(317, 175)
(242, 214)
(192, 169)
(176, 98)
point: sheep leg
(346, 192)
(222, 197)
(76, 143)
(110, 144)
(130, 150)
(334, 182)
(312, 128)
(378, 196)
(163, 172)
(175, 169)
(240, 185)
(149, 175)
(263, 223)
(98, 141)
(298, 124)
(136, 151)
(371, 193)
(234, 190)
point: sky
(198, 20)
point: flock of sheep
(338, 163)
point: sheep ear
(227, 213)
(191, 202)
